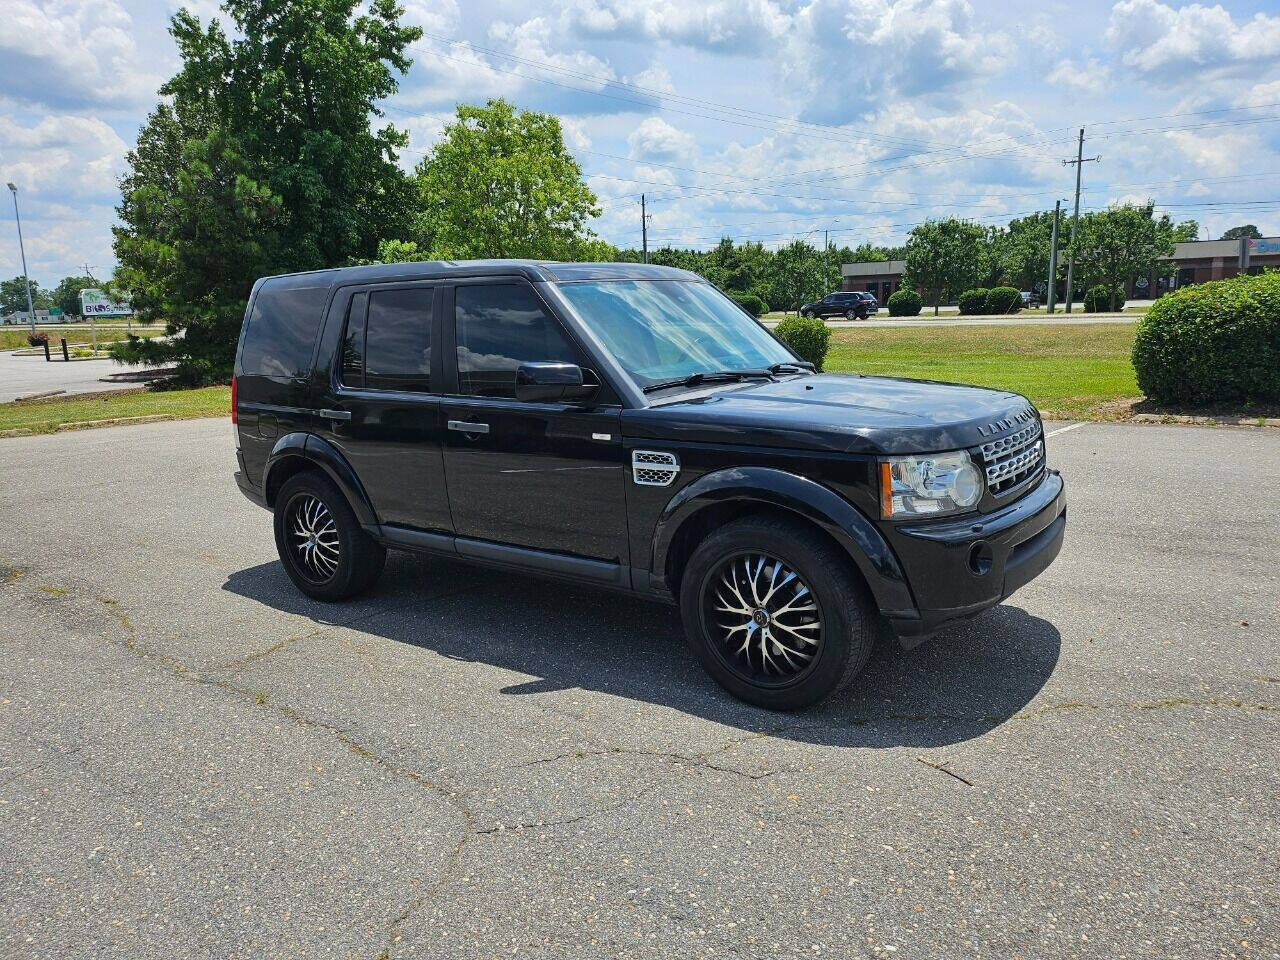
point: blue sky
(757, 119)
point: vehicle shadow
(959, 685)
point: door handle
(466, 426)
(336, 414)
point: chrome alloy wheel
(764, 621)
(313, 537)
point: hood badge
(1013, 420)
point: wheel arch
(726, 495)
(300, 451)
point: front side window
(501, 326)
(397, 340)
(666, 329)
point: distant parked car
(1029, 299)
(850, 304)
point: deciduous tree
(944, 258)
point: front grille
(1011, 460)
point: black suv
(629, 426)
(850, 304)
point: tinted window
(353, 342)
(397, 353)
(500, 327)
(282, 330)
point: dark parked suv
(850, 304)
(628, 426)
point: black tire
(334, 572)
(851, 315)
(807, 314)
(844, 612)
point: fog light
(981, 558)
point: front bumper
(959, 568)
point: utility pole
(1079, 162)
(644, 230)
(31, 307)
(1051, 296)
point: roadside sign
(95, 303)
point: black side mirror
(552, 382)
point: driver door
(542, 476)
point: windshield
(662, 330)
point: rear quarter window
(281, 335)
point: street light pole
(31, 307)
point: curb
(90, 424)
(1207, 421)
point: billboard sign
(1264, 245)
(95, 303)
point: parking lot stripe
(1054, 433)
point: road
(197, 761)
(24, 376)
(1014, 320)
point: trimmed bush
(38, 339)
(751, 303)
(904, 303)
(1098, 299)
(972, 302)
(809, 337)
(1211, 343)
(1001, 300)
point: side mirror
(552, 382)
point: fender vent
(654, 468)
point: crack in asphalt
(695, 759)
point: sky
(765, 120)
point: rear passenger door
(546, 476)
(380, 411)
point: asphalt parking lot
(196, 761)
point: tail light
(235, 414)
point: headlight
(929, 484)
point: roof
(873, 268)
(546, 271)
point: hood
(836, 412)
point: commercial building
(1197, 261)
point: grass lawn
(1073, 373)
(49, 416)
(15, 337)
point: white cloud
(1087, 77)
(433, 16)
(1154, 38)
(531, 40)
(1214, 155)
(882, 51)
(575, 133)
(655, 139)
(63, 156)
(737, 26)
(73, 53)
(654, 78)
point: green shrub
(38, 339)
(1098, 299)
(1001, 300)
(973, 301)
(809, 337)
(751, 303)
(904, 303)
(1215, 342)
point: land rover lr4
(629, 426)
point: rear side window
(501, 326)
(387, 343)
(282, 330)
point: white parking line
(1054, 433)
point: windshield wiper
(693, 379)
(790, 365)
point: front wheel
(775, 613)
(852, 315)
(325, 551)
(807, 314)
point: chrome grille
(1014, 458)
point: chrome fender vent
(654, 468)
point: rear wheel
(324, 550)
(775, 614)
(851, 314)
